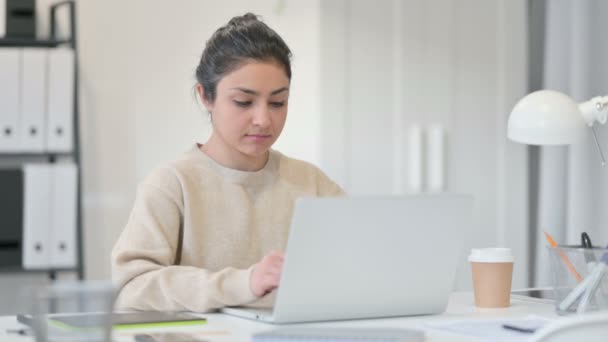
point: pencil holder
(580, 279)
(52, 306)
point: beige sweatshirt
(229, 219)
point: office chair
(589, 327)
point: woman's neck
(232, 158)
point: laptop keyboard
(260, 311)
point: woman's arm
(143, 263)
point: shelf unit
(16, 159)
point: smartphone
(542, 294)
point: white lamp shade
(546, 117)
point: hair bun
(243, 19)
(244, 38)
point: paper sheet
(491, 329)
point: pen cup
(50, 305)
(570, 265)
(492, 270)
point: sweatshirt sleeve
(144, 256)
(327, 187)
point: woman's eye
(277, 104)
(242, 103)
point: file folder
(2, 18)
(36, 215)
(63, 245)
(60, 100)
(21, 19)
(11, 212)
(33, 82)
(9, 99)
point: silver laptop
(367, 257)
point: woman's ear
(201, 93)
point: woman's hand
(266, 274)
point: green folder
(127, 320)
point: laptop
(368, 257)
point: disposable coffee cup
(492, 274)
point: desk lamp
(548, 117)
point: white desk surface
(221, 327)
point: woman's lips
(258, 137)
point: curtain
(572, 185)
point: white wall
(390, 64)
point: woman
(207, 230)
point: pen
(575, 294)
(593, 286)
(520, 329)
(588, 251)
(564, 258)
(18, 331)
(586, 289)
(586, 240)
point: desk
(460, 307)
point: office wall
(107, 126)
(392, 65)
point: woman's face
(250, 108)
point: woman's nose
(261, 116)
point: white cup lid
(491, 255)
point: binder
(32, 89)
(63, 245)
(2, 18)
(9, 99)
(60, 100)
(21, 19)
(36, 215)
(11, 212)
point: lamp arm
(594, 110)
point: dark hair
(243, 38)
